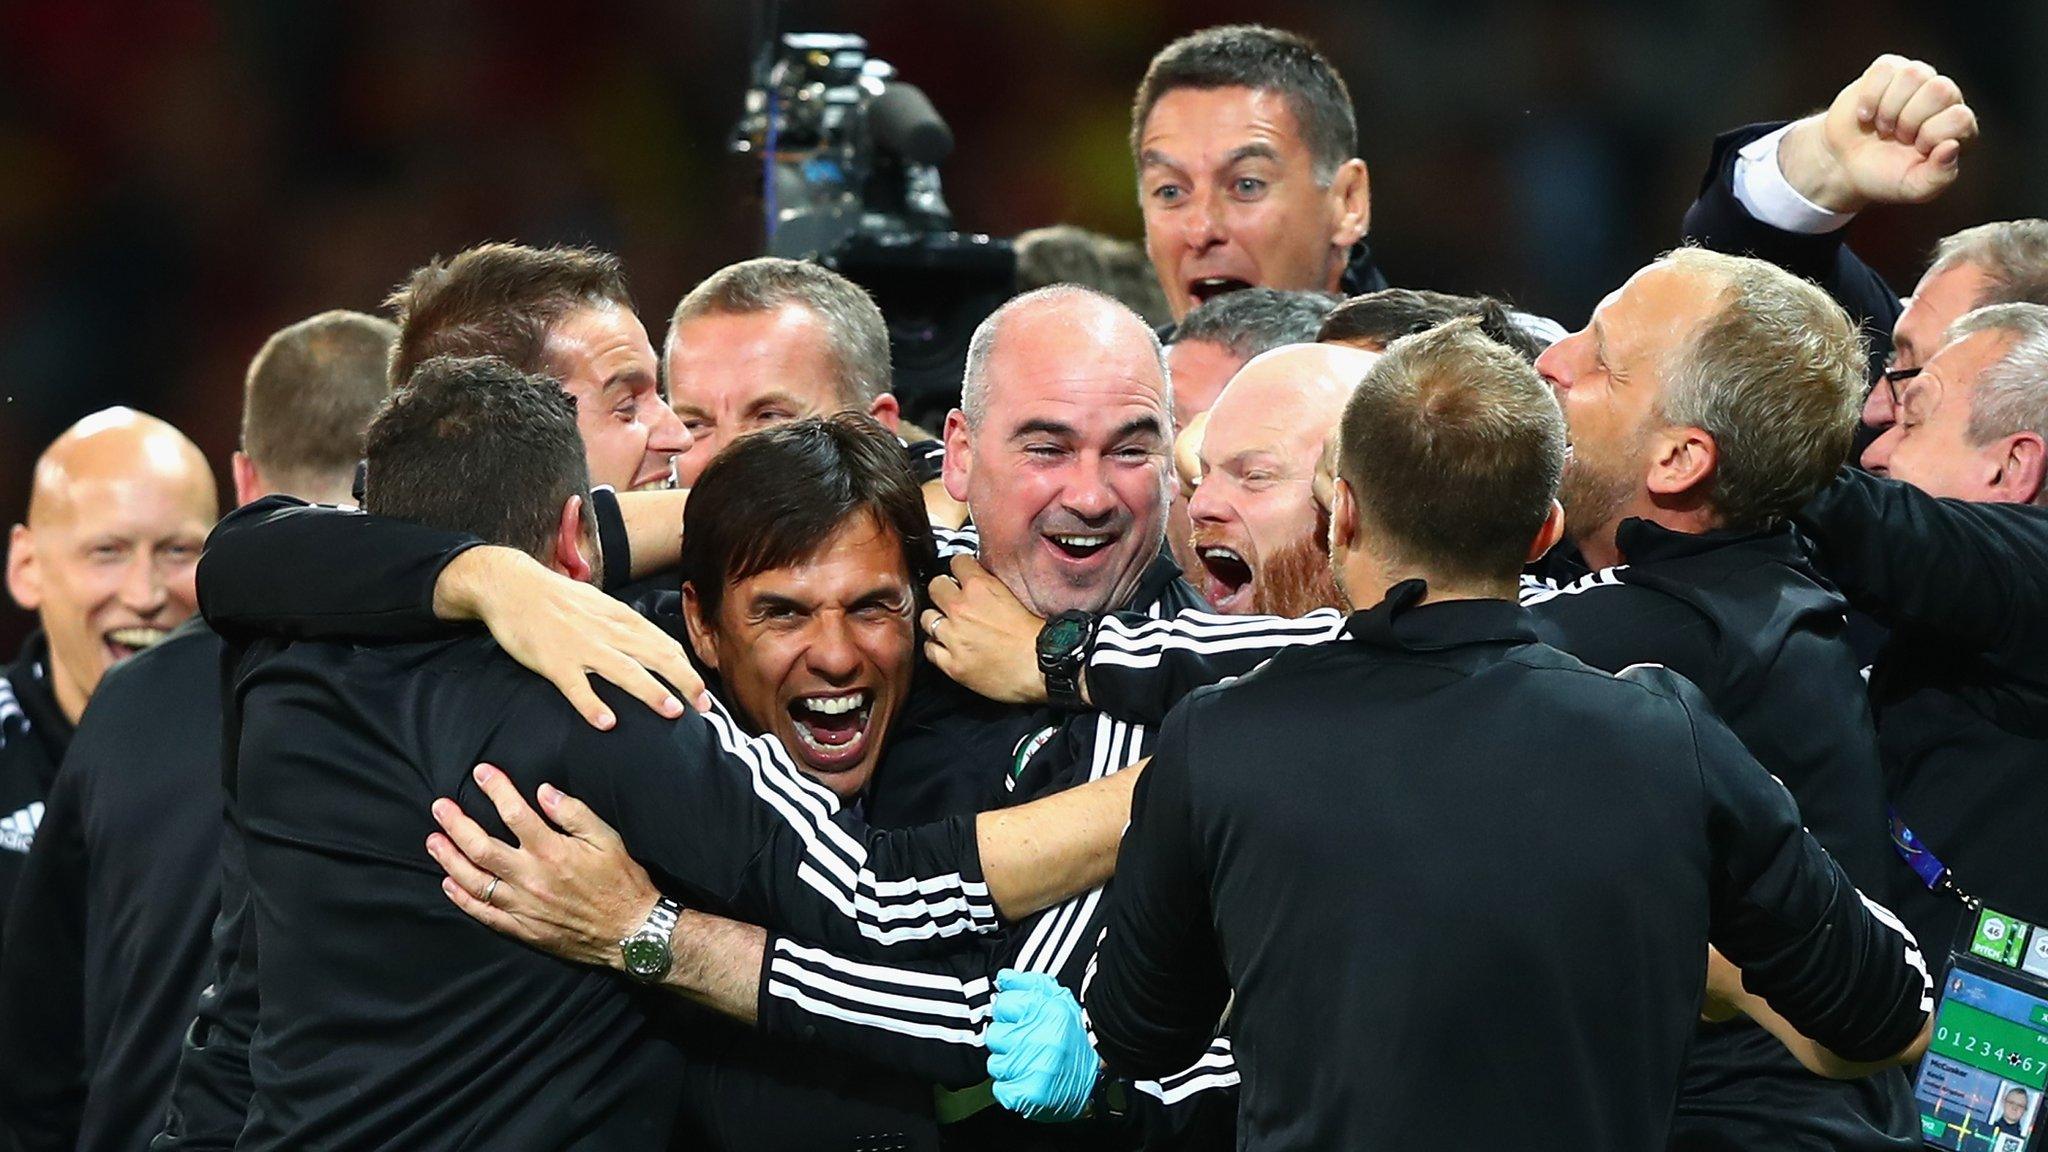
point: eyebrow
(782, 398)
(1041, 426)
(1151, 158)
(1131, 428)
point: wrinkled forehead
(1094, 391)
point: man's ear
(887, 412)
(571, 543)
(2022, 469)
(24, 576)
(1682, 461)
(1343, 518)
(1352, 191)
(249, 484)
(959, 455)
(1549, 534)
(703, 639)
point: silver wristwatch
(646, 952)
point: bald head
(1257, 526)
(120, 505)
(1061, 331)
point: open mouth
(1226, 577)
(1080, 546)
(832, 728)
(1209, 287)
(125, 642)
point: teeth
(136, 637)
(1221, 554)
(835, 705)
(1082, 541)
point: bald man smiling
(120, 507)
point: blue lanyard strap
(1922, 860)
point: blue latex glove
(1039, 1055)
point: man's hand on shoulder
(567, 631)
(1893, 136)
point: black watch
(1063, 645)
(646, 952)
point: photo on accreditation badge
(1980, 1086)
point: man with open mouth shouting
(116, 518)
(1258, 533)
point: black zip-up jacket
(34, 733)
(1454, 887)
(101, 1010)
(1961, 692)
(1746, 618)
(954, 757)
(39, 1100)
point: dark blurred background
(178, 179)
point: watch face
(645, 957)
(1062, 635)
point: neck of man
(1602, 547)
(1366, 580)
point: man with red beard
(1258, 532)
(1707, 401)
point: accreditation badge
(1980, 1085)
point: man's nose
(833, 654)
(1088, 495)
(1207, 505)
(143, 588)
(1202, 224)
(1877, 458)
(669, 434)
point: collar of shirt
(29, 677)
(1403, 621)
(1645, 542)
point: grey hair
(2012, 254)
(974, 382)
(2012, 392)
(854, 327)
(1253, 321)
(1775, 377)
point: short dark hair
(498, 300)
(1071, 254)
(854, 328)
(310, 392)
(774, 497)
(1453, 447)
(1387, 315)
(1254, 56)
(477, 446)
(1254, 321)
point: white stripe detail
(836, 864)
(868, 1019)
(1884, 916)
(1539, 594)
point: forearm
(717, 963)
(1138, 668)
(284, 568)
(654, 529)
(926, 1018)
(1035, 855)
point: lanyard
(1924, 863)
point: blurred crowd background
(180, 178)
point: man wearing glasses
(1786, 193)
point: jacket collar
(1403, 621)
